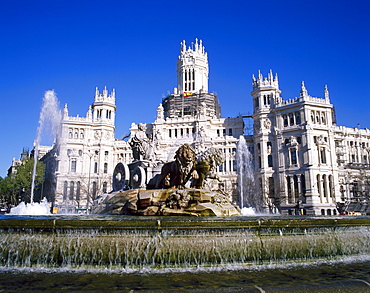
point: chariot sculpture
(145, 187)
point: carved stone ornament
(267, 123)
(97, 135)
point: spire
(326, 92)
(270, 77)
(65, 111)
(304, 92)
(269, 81)
(160, 112)
(105, 92)
(183, 46)
(89, 113)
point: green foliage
(18, 185)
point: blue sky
(132, 46)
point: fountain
(250, 201)
(167, 193)
(93, 252)
(80, 249)
(49, 121)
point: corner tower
(192, 68)
(104, 106)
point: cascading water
(250, 199)
(49, 122)
(50, 243)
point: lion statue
(177, 173)
(206, 166)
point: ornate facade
(303, 162)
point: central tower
(192, 68)
(191, 97)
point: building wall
(302, 161)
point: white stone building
(303, 162)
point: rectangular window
(285, 118)
(297, 118)
(323, 156)
(73, 166)
(230, 132)
(293, 156)
(269, 160)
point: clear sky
(132, 46)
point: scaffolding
(190, 106)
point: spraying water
(250, 201)
(50, 117)
(49, 122)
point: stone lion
(206, 166)
(177, 173)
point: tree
(7, 191)
(17, 186)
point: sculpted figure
(177, 173)
(141, 145)
(206, 166)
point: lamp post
(90, 154)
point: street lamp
(90, 154)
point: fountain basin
(172, 242)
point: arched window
(318, 181)
(105, 187)
(71, 190)
(96, 167)
(78, 190)
(105, 167)
(303, 185)
(65, 189)
(271, 187)
(295, 184)
(289, 188)
(94, 191)
(324, 188)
